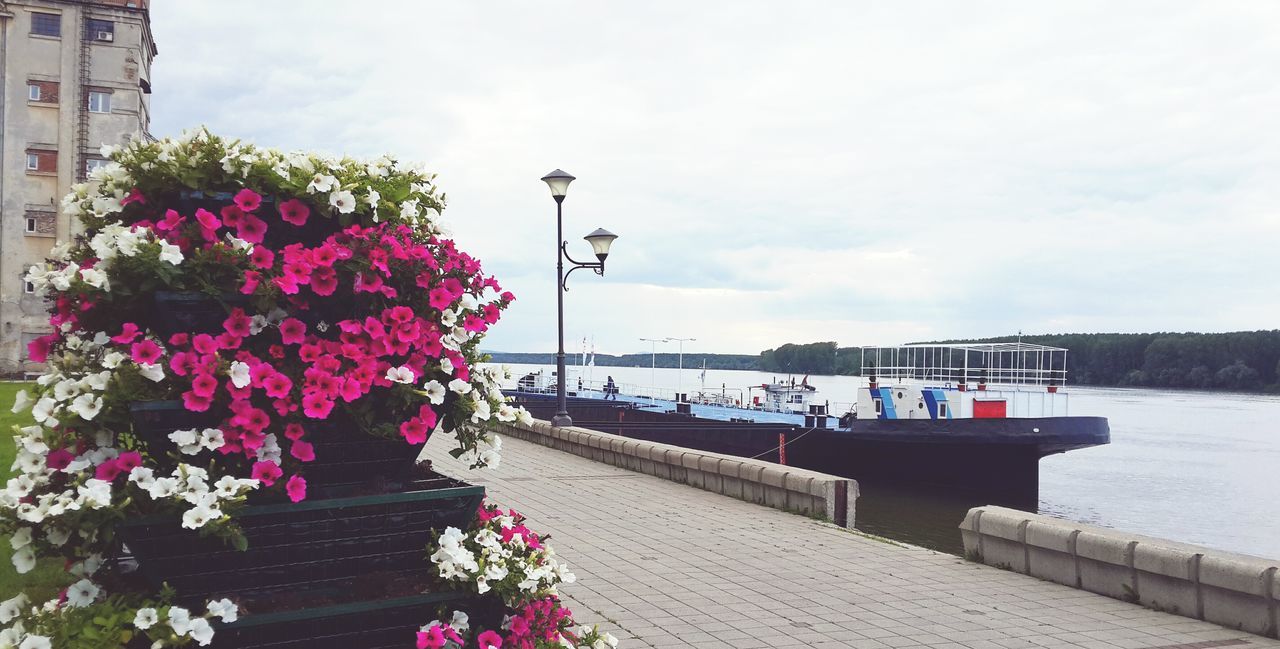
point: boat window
(879, 406)
(942, 410)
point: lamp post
(680, 372)
(653, 361)
(600, 241)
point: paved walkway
(665, 565)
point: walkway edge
(781, 487)
(1234, 590)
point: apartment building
(76, 76)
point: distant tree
(1237, 376)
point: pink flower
(194, 402)
(135, 196)
(296, 487)
(489, 640)
(294, 431)
(251, 279)
(294, 211)
(129, 460)
(238, 323)
(251, 228)
(432, 638)
(207, 220)
(38, 349)
(439, 299)
(288, 284)
(324, 281)
(145, 352)
(58, 459)
(316, 405)
(415, 431)
(262, 257)
(303, 451)
(247, 200)
(127, 334)
(277, 386)
(204, 385)
(205, 344)
(293, 331)
(231, 216)
(267, 473)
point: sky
(863, 172)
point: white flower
(146, 618)
(373, 197)
(482, 412)
(459, 386)
(197, 516)
(460, 622)
(201, 631)
(21, 402)
(96, 493)
(180, 620)
(212, 439)
(225, 609)
(163, 488)
(239, 374)
(87, 406)
(170, 253)
(435, 391)
(95, 278)
(36, 642)
(187, 441)
(343, 201)
(82, 593)
(66, 389)
(321, 183)
(143, 476)
(24, 560)
(400, 375)
(112, 360)
(152, 371)
(11, 608)
(21, 538)
(446, 365)
(43, 410)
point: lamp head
(558, 181)
(600, 241)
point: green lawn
(48, 577)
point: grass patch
(49, 577)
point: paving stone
(668, 566)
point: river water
(1197, 467)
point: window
(99, 102)
(45, 92)
(46, 24)
(31, 224)
(33, 162)
(94, 163)
(99, 30)
(942, 411)
(28, 287)
(42, 161)
(879, 407)
(33, 92)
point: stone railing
(774, 485)
(1234, 590)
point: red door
(988, 409)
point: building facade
(76, 75)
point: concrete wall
(1234, 590)
(774, 485)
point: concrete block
(1050, 551)
(1004, 523)
(970, 536)
(1105, 564)
(1166, 576)
(774, 476)
(730, 467)
(673, 456)
(691, 460)
(798, 483)
(731, 486)
(1235, 590)
(775, 497)
(710, 464)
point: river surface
(1197, 467)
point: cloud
(859, 172)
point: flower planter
(345, 456)
(193, 313)
(370, 624)
(307, 542)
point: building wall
(30, 222)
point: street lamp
(653, 361)
(600, 241)
(680, 372)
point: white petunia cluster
(190, 485)
(485, 559)
(112, 241)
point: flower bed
(235, 327)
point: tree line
(1241, 360)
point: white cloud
(862, 172)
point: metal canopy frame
(1006, 363)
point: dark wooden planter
(294, 545)
(193, 313)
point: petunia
(432, 638)
(239, 374)
(277, 386)
(316, 406)
(204, 385)
(238, 323)
(201, 631)
(343, 201)
(247, 200)
(145, 618)
(128, 333)
(439, 298)
(415, 431)
(225, 609)
(400, 375)
(324, 281)
(303, 451)
(266, 472)
(82, 593)
(292, 331)
(251, 228)
(489, 640)
(262, 257)
(194, 402)
(294, 211)
(145, 352)
(296, 487)
(207, 220)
